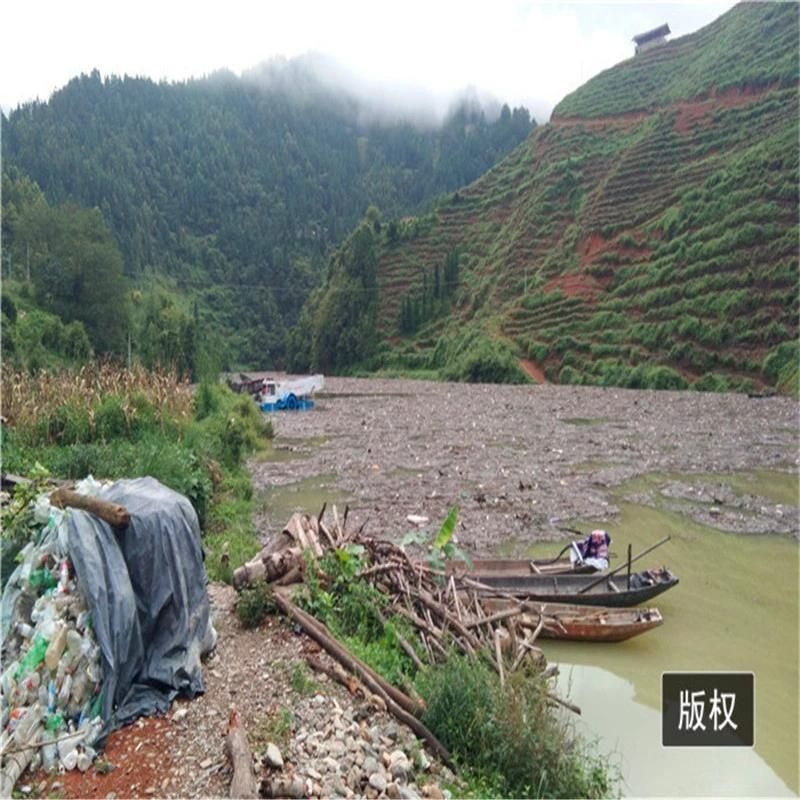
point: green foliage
(237, 188)
(351, 608)
(472, 357)
(301, 681)
(73, 263)
(276, 727)
(254, 603)
(782, 366)
(37, 339)
(337, 327)
(17, 525)
(508, 736)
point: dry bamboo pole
(499, 655)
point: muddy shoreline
(521, 462)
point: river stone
(378, 782)
(336, 748)
(330, 764)
(369, 765)
(273, 756)
(354, 779)
(400, 769)
(432, 791)
(393, 791)
(407, 793)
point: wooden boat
(514, 567)
(590, 590)
(583, 623)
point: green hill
(228, 193)
(646, 236)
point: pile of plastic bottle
(51, 685)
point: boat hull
(612, 591)
(579, 623)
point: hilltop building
(653, 38)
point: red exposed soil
(688, 111)
(595, 245)
(574, 285)
(532, 370)
(140, 759)
(698, 112)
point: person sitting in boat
(593, 550)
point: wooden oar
(622, 566)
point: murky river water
(736, 608)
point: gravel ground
(331, 744)
(522, 460)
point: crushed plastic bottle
(33, 657)
(56, 648)
(28, 725)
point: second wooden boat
(582, 623)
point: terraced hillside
(646, 236)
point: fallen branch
(349, 681)
(243, 782)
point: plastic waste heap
(52, 680)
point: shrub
(664, 378)
(254, 603)
(110, 420)
(509, 734)
(780, 366)
(711, 382)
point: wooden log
(319, 632)
(114, 514)
(269, 566)
(372, 680)
(499, 655)
(243, 782)
(346, 679)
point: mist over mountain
(230, 191)
(645, 237)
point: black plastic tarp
(146, 589)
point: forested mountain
(229, 192)
(646, 236)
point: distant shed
(653, 38)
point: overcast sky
(530, 53)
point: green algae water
(306, 495)
(735, 609)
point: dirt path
(520, 461)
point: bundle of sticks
(444, 609)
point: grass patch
(116, 423)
